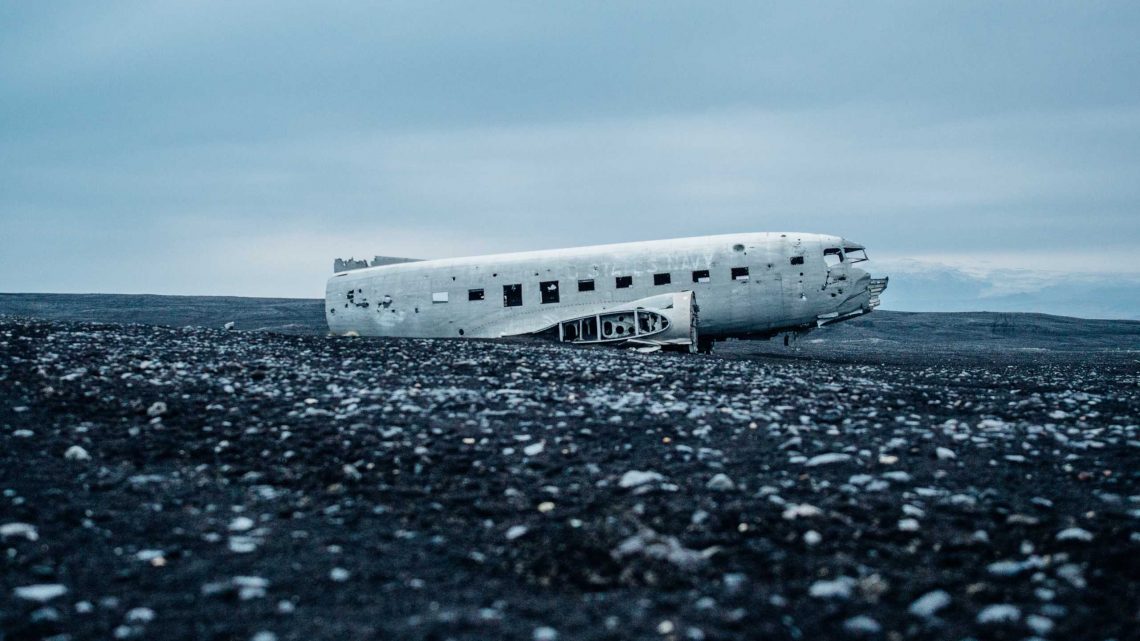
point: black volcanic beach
(194, 483)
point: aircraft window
(623, 281)
(512, 295)
(662, 279)
(701, 276)
(739, 273)
(549, 290)
(439, 297)
(797, 260)
(586, 285)
(832, 256)
(855, 255)
(475, 294)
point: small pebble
(999, 613)
(862, 625)
(720, 483)
(544, 633)
(1075, 534)
(927, 605)
(41, 593)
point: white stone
(148, 555)
(1074, 534)
(544, 633)
(19, 529)
(634, 478)
(516, 531)
(250, 587)
(862, 625)
(241, 524)
(76, 453)
(929, 604)
(140, 615)
(826, 459)
(721, 483)
(42, 592)
(1005, 568)
(811, 537)
(802, 510)
(909, 525)
(839, 588)
(999, 613)
(945, 454)
(242, 544)
(158, 408)
(535, 448)
(340, 575)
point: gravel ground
(191, 483)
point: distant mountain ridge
(932, 287)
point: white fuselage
(757, 284)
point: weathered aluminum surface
(789, 285)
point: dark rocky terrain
(883, 332)
(282, 315)
(171, 483)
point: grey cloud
(140, 139)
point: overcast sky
(238, 147)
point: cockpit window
(832, 256)
(855, 255)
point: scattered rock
(827, 459)
(140, 615)
(1074, 534)
(652, 545)
(241, 524)
(804, 510)
(41, 593)
(928, 605)
(544, 633)
(838, 588)
(19, 530)
(909, 525)
(635, 478)
(862, 625)
(720, 483)
(1000, 613)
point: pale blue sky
(238, 147)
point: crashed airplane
(684, 293)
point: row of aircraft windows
(513, 296)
